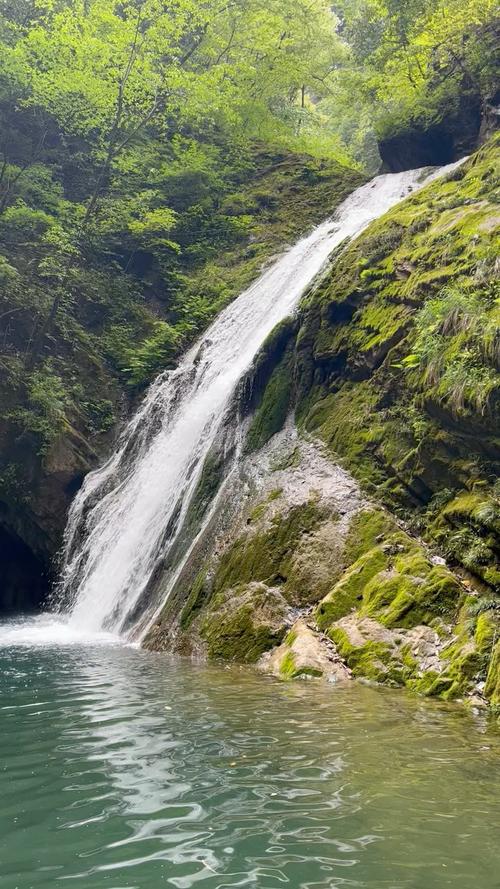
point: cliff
(391, 370)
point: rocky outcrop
(305, 654)
(24, 580)
(278, 537)
(305, 577)
(35, 496)
(393, 366)
(422, 144)
(394, 369)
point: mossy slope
(396, 363)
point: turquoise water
(127, 770)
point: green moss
(394, 581)
(370, 660)
(410, 664)
(258, 511)
(243, 629)
(275, 494)
(197, 598)
(261, 508)
(465, 659)
(273, 409)
(435, 685)
(379, 323)
(346, 421)
(475, 507)
(208, 485)
(492, 686)
(289, 669)
(366, 529)
(287, 665)
(485, 633)
(267, 556)
(467, 527)
(415, 593)
(349, 591)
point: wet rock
(305, 654)
(242, 625)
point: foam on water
(47, 629)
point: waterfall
(125, 521)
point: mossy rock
(272, 411)
(465, 660)
(267, 554)
(492, 686)
(393, 581)
(405, 429)
(369, 650)
(413, 592)
(290, 669)
(211, 477)
(198, 597)
(366, 529)
(305, 654)
(348, 593)
(242, 626)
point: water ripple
(123, 770)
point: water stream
(127, 518)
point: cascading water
(125, 520)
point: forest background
(153, 155)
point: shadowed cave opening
(24, 578)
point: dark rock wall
(424, 144)
(24, 578)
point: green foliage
(128, 138)
(457, 346)
(154, 354)
(48, 401)
(411, 62)
(120, 244)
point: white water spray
(126, 518)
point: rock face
(394, 577)
(310, 580)
(242, 624)
(305, 654)
(422, 145)
(24, 581)
(35, 497)
(392, 370)
(278, 542)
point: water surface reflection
(125, 770)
